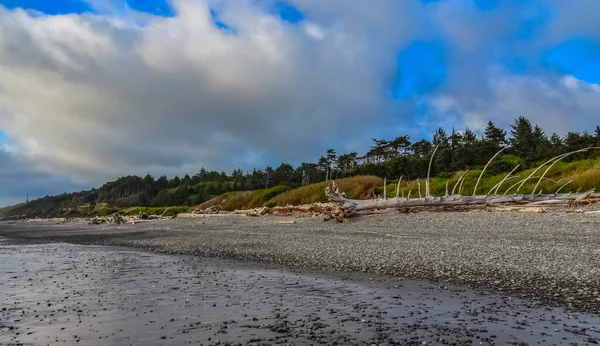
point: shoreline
(76, 294)
(554, 258)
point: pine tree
(440, 137)
(557, 145)
(495, 135)
(469, 137)
(522, 138)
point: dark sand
(61, 294)
(552, 257)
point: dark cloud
(17, 180)
(93, 96)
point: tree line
(527, 144)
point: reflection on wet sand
(71, 294)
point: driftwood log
(347, 208)
(115, 219)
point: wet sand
(552, 257)
(96, 295)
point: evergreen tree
(422, 148)
(541, 145)
(440, 137)
(400, 145)
(495, 135)
(556, 144)
(175, 182)
(282, 174)
(522, 138)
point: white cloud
(558, 104)
(91, 97)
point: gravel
(552, 257)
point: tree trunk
(350, 207)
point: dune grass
(170, 211)
(244, 199)
(229, 201)
(359, 187)
(355, 187)
(585, 175)
(264, 197)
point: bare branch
(555, 161)
(485, 167)
(497, 186)
(351, 207)
(384, 187)
(398, 187)
(560, 188)
(460, 187)
(503, 180)
(549, 161)
(345, 208)
(427, 194)
(458, 181)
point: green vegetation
(7, 211)
(584, 175)
(244, 199)
(230, 201)
(359, 187)
(166, 211)
(527, 146)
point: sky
(91, 90)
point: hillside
(574, 176)
(360, 187)
(526, 146)
(578, 175)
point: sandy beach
(447, 278)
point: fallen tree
(347, 208)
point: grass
(170, 211)
(355, 187)
(264, 197)
(5, 211)
(245, 199)
(230, 201)
(585, 175)
(359, 187)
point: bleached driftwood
(115, 219)
(349, 207)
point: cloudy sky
(94, 89)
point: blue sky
(254, 81)
(49, 7)
(421, 65)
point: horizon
(95, 89)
